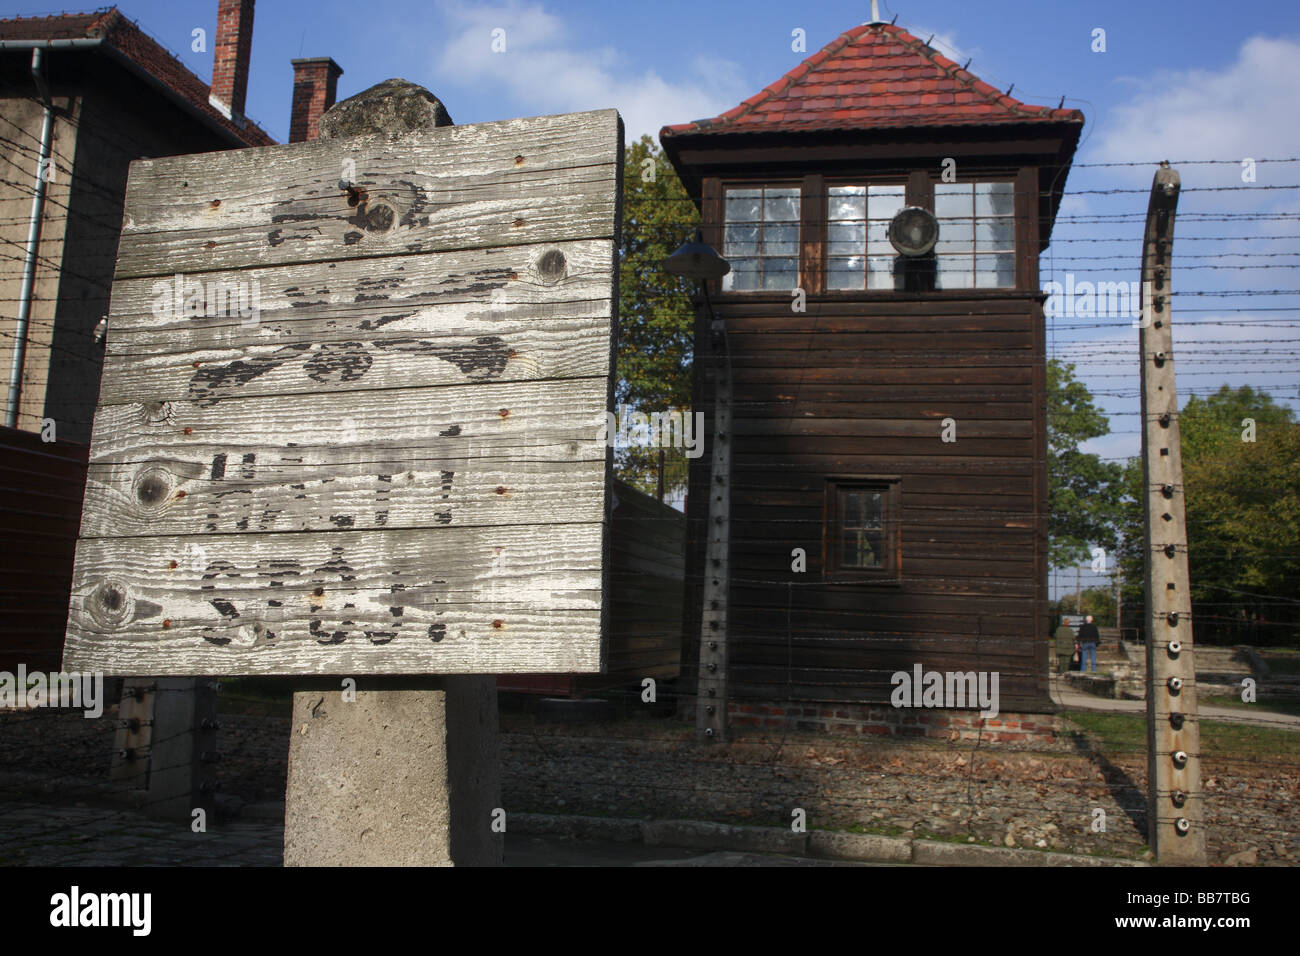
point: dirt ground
(1056, 797)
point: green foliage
(1083, 491)
(656, 318)
(1210, 425)
(1097, 601)
(1243, 518)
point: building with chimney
(81, 96)
(880, 494)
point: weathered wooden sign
(352, 405)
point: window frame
(974, 255)
(890, 571)
(812, 274)
(824, 200)
(800, 222)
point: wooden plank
(483, 315)
(383, 602)
(519, 181)
(523, 422)
(276, 493)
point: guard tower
(879, 344)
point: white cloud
(543, 70)
(1231, 113)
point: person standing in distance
(1089, 637)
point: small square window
(861, 535)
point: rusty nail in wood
(215, 203)
(189, 431)
(210, 244)
(196, 364)
(167, 622)
(519, 160)
(501, 489)
(519, 222)
(182, 493)
(173, 565)
(504, 412)
(318, 592)
(498, 623)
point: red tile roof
(145, 52)
(875, 75)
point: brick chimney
(315, 84)
(233, 47)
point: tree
(1097, 601)
(1083, 491)
(1243, 517)
(1211, 424)
(656, 319)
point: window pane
(846, 238)
(957, 230)
(845, 273)
(744, 205)
(780, 240)
(780, 273)
(880, 274)
(741, 241)
(953, 272)
(862, 549)
(781, 205)
(996, 271)
(852, 517)
(952, 200)
(878, 243)
(850, 558)
(873, 550)
(743, 276)
(884, 201)
(871, 510)
(994, 234)
(994, 199)
(847, 202)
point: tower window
(762, 238)
(858, 252)
(977, 235)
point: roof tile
(140, 48)
(874, 75)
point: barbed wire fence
(696, 778)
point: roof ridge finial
(875, 13)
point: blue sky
(1203, 79)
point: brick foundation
(882, 721)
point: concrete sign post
(350, 425)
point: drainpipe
(33, 244)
